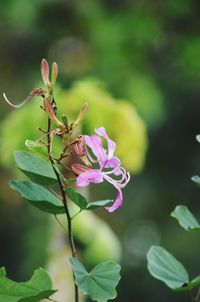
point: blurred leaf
(35, 167)
(99, 204)
(38, 196)
(115, 115)
(198, 138)
(70, 180)
(37, 288)
(188, 57)
(164, 266)
(36, 147)
(100, 282)
(196, 179)
(77, 198)
(185, 218)
(2, 272)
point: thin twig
(197, 296)
(64, 200)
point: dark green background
(149, 53)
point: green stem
(197, 298)
(64, 199)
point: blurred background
(137, 64)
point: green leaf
(37, 288)
(81, 201)
(100, 282)
(196, 179)
(70, 180)
(185, 218)
(198, 138)
(35, 167)
(38, 196)
(36, 147)
(163, 266)
(193, 283)
(99, 204)
(77, 198)
(2, 272)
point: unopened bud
(81, 115)
(37, 92)
(80, 149)
(80, 146)
(51, 113)
(45, 72)
(54, 73)
(65, 122)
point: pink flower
(109, 167)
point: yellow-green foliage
(120, 119)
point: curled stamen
(17, 105)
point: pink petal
(90, 176)
(78, 168)
(114, 162)
(111, 144)
(95, 143)
(117, 203)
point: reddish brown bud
(51, 113)
(37, 92)
(80, 146)
(45, 72)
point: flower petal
(95, 143)
(111, 144)
(78, 168)
(90, 176)
(114, 164)
(117, 203)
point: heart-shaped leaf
(196, 180)
(185, 218)
(77, 198)
(163, 266)
(99, 204)
(100, 282)
(37, 288)
(38, 196)
(35, 167)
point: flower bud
(51, 113)
(80, 146)
(37, 92)
(45, 72)
(54, 73)
(81, 115)
(65, 122)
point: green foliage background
(144, 52)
